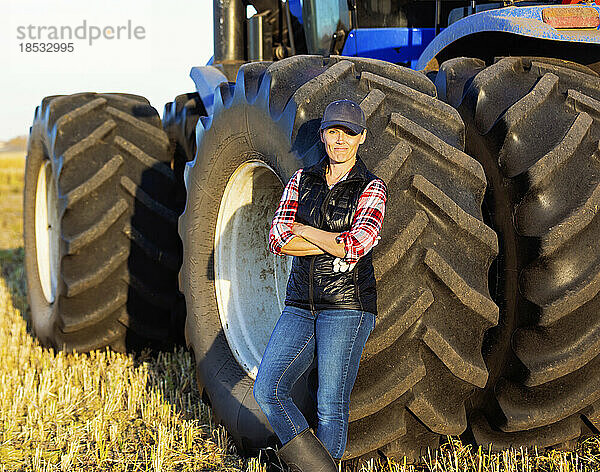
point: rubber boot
(305, 453)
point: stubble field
(106, 411)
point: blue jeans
(337, 339)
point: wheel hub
(47, 231)
(250, 282)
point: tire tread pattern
(539, 118)
(110, 157)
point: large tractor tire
(423, 360)
(534, 125)
(102, 252)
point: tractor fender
(524, 21)
(207, 79)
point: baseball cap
(344, 113)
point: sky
(159, 43)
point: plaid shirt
(361, 237)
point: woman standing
(329, 218)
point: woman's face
(341, 145)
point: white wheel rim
(250, 282)
(46, 231)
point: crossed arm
(310, 241)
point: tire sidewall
(236, 135)
(43, 314)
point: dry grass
(12, 166)
(114, 412)
(98, 411)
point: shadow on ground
(13, 273)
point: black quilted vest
(313, 285)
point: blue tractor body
(397, 45)
(483, 31)
(524, 22)
(418, 46)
